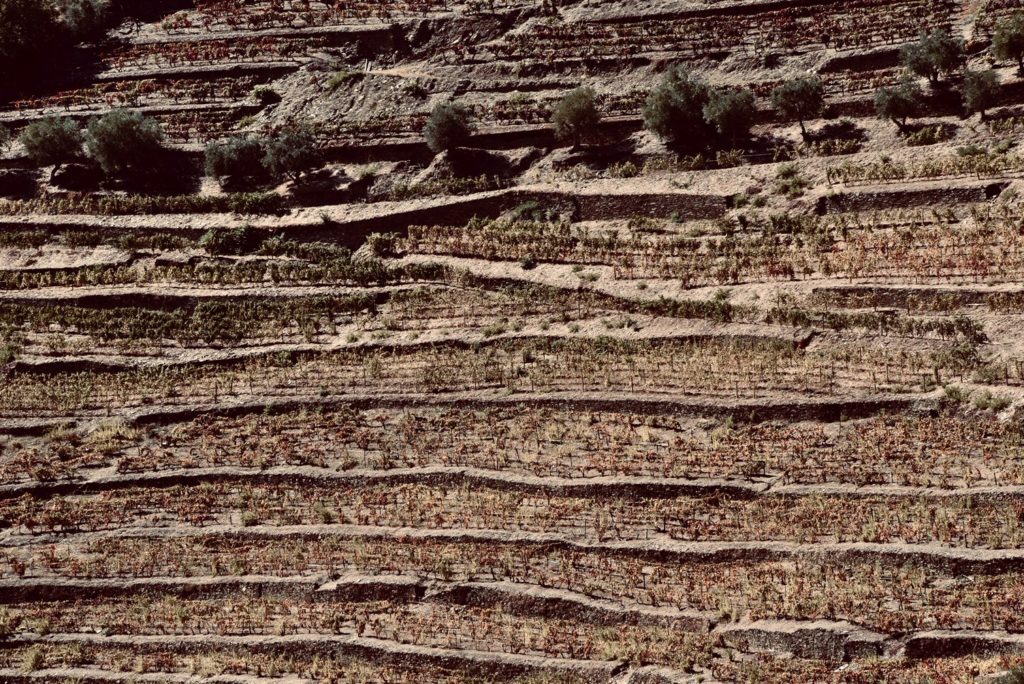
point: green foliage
(448, 127)
(899, 103)
(981, 90)
(237, 156)
(933, 55)
(343, 78)
(1008, 40)
(800, 99)
(230, 240)
(576, 115)
(52, 141)
(117, 205)
(32, 660)
(929, 135)
(292, 152)
(123, 141)
(674, 110)
(731, 112)
(789, 181)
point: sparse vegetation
(686, 404)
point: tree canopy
(123, 141)
(933, 55)
(899, 103)
(800, 99)
(576, 115)
(52, 141)
(674, 110)
(448, 127)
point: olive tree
(123, 141)
(292, 153)
(238, 156)
(899, 103)
(52, 142)
(981, 91)
(576, 115)
(447, 127)
(85, 19)
(933, 55)
(731, 113)
(674, 110)
(800, 99)
(1008, 39)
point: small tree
(237, 156)
(576, 115)
(448, 127)
(122, 141)
(674, 110)
(1008, 40)
(899, 103)
(5, 139)
(801, 98)
(981, 90)
(731, 112)
(52, 141)
(933, 55)
(292, 152)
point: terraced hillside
(626, 411)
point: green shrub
(122, 141)
(789, 181)
(266, 95)
(343, 78)
(237, 156)
(626, 169)
(448, 127)
(230, 240)
(576, 116)
(929, 135)
(32, 660)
